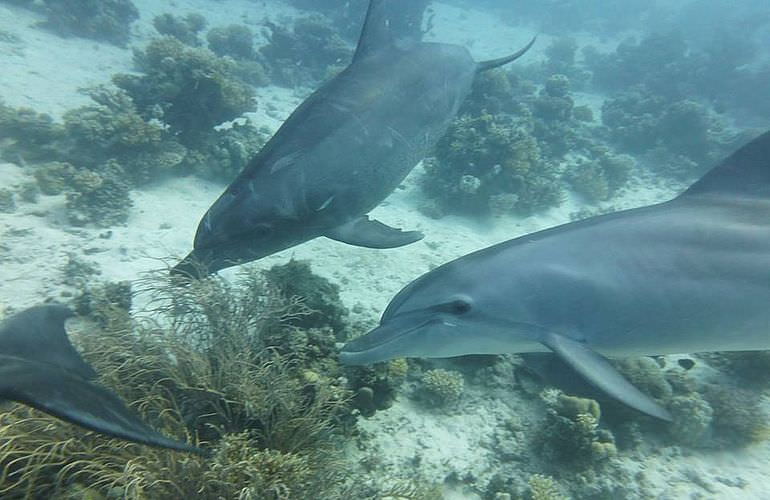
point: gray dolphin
(345, 148)
(688, 275)
(40, 368)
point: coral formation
(185, 29)
(571, 432)
(99, 196)
(108, 20)
(189, 88)
(305, 55)
(480, 157)
(319, 295)
(442, 387)
(234, 40)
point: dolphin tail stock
(40, 368)
(494, 63)
(602, 375)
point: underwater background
(121, 121)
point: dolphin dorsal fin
(745, 172)
(390, 23)
(37, 334)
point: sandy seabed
(45, 71)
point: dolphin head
(241, 226)
(446, 312)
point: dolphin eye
(460, 306)
(456, 306)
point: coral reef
(307, 54)
(480, 157)
(190, 89)
(692, 418)
(543, 487)
(441, 387)
(99, 197)
(319, 295)
(234, 40)
(185, 29)
(226, 151)
(108, 20)
(27, 135)
(738, 417)
(571, 432)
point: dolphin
(40, 368)
(688, 275)
(345, 148)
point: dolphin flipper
(365, 232)
(70, 398)
(599, 372)
(37, 334)
(40, 368)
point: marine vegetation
(307, 54)
(202, 368)
(189, 89)
(108, 20)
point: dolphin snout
(393, 339)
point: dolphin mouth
(385, 342)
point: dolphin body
(39, 367)
(688, 275)
(345, 148)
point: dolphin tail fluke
(601, 374)
(494, 63)
(364, 232)
(40, 368)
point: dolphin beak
(393, 339)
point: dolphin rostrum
(40, 368)
(688, 275)
(345, 148)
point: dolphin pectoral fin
(599, 372)
(365, 232)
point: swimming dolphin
(40, 368)
(688, 275)
(345, 148)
